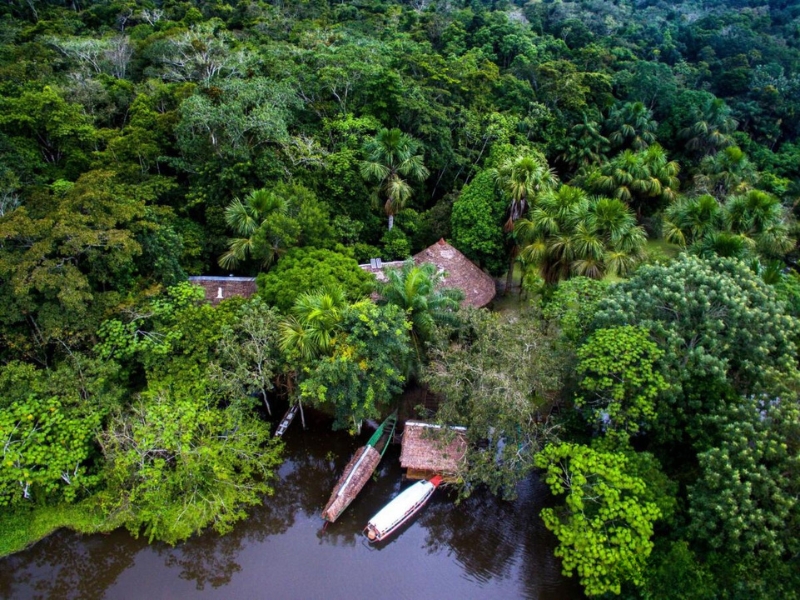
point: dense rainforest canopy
(631, 166)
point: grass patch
(660, 247)
(21, 528)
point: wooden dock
(287, 419)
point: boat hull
(400, 510)
(359, 470)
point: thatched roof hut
(429, 450)
(460, 272)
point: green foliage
(418, 290)
(248, 355)
(63, 258)
(567, 233)
(745, 502)
(619, 379)
(605, 526)
(46, 448)
(305, 269)
(701, 313)
(390, 156)
(645, 179)
(573, 304)
(271, 221)
(176, 463)
(363, 369)
(396, 245)
(753, 223)
(476, 218)
(500, 379)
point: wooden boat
(392, 516)
(360, 469)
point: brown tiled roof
(460, 272)
(428, 447)
(218, 289)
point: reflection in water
(482, 547)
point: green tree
(637, 178)
(306, 269)
(585, 146)
(711, 128)
(619, 379)
(691, 219)
(701, 313)
(46, 449)
(727, 172)
(271, 221)
(569, 234)
(248, 355)
(605, 526)
(476, 223)
(363, 370)
(500, 379)
(65, 259)
(745, 501)
(392, 156)
(176, 463)
(632, 125)
(521, 178)
(310, 331)
(418, 290)
(750, 223)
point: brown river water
(483, 548)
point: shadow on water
(482, 547)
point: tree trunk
(302, 415)
(266, 402)
(391, 222)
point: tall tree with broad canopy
(392, 156)
(745, 502)
(500, 379)
(722, 330)
(605, 525)
(619, 379)
(177, 463)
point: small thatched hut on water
(429, 450)
(460, 272)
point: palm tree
(754, 222)
(568, 233)
(762, 220)
(632, 124)
(247, 220)
(418, 290)
(724, 173)
(311, 329)
(691, 219)
(712, 127)
(585, 146)
(636, 177)
(390, 156)
(522, 177)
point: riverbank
(21, 529)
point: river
(482, 548)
